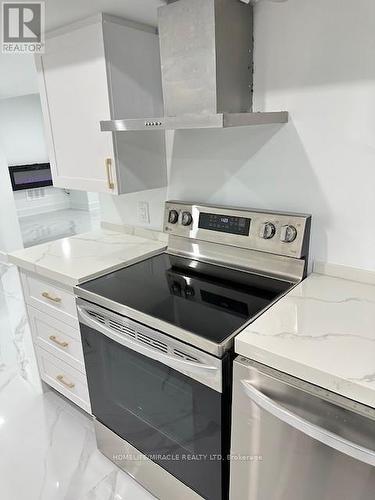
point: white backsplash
(322, 162)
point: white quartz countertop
(85, 256)
(323, 332)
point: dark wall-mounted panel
(30, 176)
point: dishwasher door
(290, 444)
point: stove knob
(173, 217)
(176, 288)
(288, 234)
(189, 291)
(186, 219)
(267, 230)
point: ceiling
(18, 72)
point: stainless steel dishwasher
(295, 441)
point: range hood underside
(206, 49)
(196, 121)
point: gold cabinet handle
(108, 166)
(67, 384)
(46, 295)
(58, 342)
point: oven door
(163, 397)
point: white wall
(42, 200)
(18, 75)
(123, 210)
(22, 141)
(317, 60)
(82, 200)
(10, 234)
(21, 130)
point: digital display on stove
(225, 223)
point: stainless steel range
(158, 341)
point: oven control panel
(274, 232)
(230, 224)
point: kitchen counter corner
(322, 331)
(85, 256)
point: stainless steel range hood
(206, 49)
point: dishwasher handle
(316, 432)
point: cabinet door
(74, 94)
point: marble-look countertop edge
(321, 378)
(23, 264)
(55, 276)
(336, 312)
(73, 281)
(69, 279)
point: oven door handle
(173, 362)
(316, 432)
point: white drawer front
(57, 337)
(64, 378)
(50, 299)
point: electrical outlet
(143, 212)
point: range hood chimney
(206, 49)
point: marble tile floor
(47, 445)
(41, 228)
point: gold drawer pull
(46, 295)
(58, 342)
(108, 166)
(61, 379)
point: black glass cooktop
(205, 299)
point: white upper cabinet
(102, 68)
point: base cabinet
(50, 298)
(64, 378)
(56, 337)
